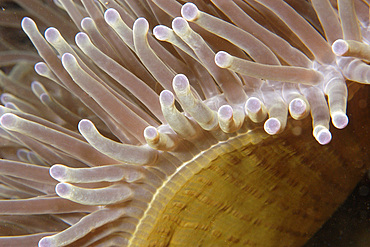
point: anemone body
(190, 133)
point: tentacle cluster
(144, 107)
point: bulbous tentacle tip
(180, 83)
(41, 68)
(157, 140)
(322, 135)
(253, 105)
(52, 35)
(4, 98)
(85, 126)
(58, 172)
(166, 98)
(63, 189)
(180, 26)
(339, 120)
(68, 61)
(190, 12)
(111, 16)
(82, 39)
(141, 24)
(10, 105)
(151, 133)
(161, 32)
(225, 119)
(340, 47)
(47, 242)
(272, 126)
(27, 23)
(8, 120)
(298, 108)
(45, 98)
(37, 88)
(223, 59)
(229, 119)
(255, 110)
(225, 112)
(86, 23)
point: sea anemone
(183, 133)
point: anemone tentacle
(128, 134)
